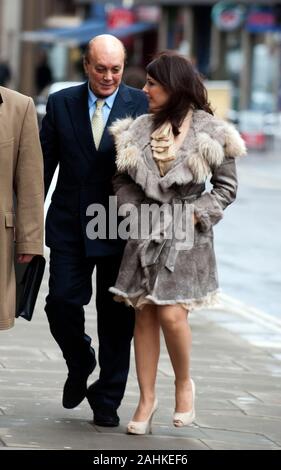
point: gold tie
(97, 123)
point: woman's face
(156, 94)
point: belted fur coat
(163, 267)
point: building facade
(234, 41)
(17, 16)
(239, 42)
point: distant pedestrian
(135, 77)
(43, 73)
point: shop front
(246, 49)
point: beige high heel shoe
(184, 419)
(142, 427)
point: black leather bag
(28, 280)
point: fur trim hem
(208, 300)
(120, 293)
(191, 304)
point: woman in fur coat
(169, 266)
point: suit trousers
(70, 289)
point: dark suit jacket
(85, 173)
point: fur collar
(210, 141)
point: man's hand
(24, 258)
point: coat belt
(151, 249)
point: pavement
(236, 365)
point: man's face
(104, 68)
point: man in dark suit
(75, 135)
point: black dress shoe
(106, 417)
(75, 388)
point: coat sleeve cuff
(207, 211)
(29, 248)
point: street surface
(248, 240)
(235, 362)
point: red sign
(261, 18)
(120, 18)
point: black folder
(28, 280)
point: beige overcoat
(21, 174)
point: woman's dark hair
(184, 85)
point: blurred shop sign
(62, 21)
(150, 14)
(261, 19)
(120, 17)
(219, 95)
(228, 16)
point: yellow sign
(219, 95)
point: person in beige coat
(21, 175)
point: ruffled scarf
(164, 145)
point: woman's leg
(177, 333)
(147, 349)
